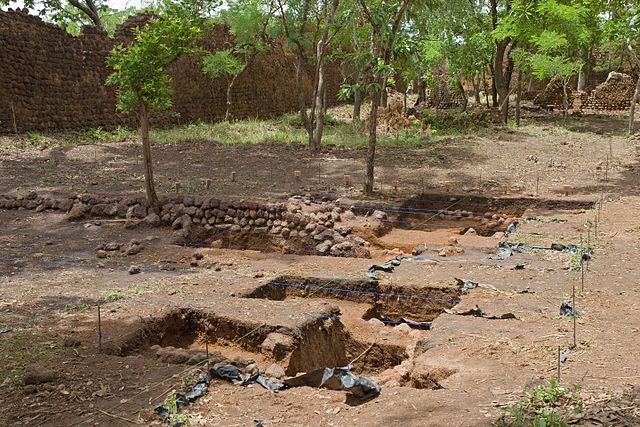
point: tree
(140, 71)
(248, 22)
(309, 27)
(384, 19)
(73, 10)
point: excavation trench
(486, 215)
(321, 340)
(377, 319)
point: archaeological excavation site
(300, 213)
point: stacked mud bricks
(51, 80)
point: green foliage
(72, 21)
(115, 295)
(140, 69)
(221, 63)
(544, 406)
(446, 122)
(174, 417)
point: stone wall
(612, 95)
(287, 227)
(51, 80)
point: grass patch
(21, 348)
(286, 129)
(115, 295)
(544, 406)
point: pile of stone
(552, 95)
(614, 94)
(301, 225)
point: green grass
(543, 406)
(285, 129)
(21, 348)
(115, 295)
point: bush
(471, 120)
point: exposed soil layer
(412, 305)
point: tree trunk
(422, 91)
(518, 97)
(502, 76)
(486, 88)
(384, 96)
(632, 108)
(152, 197)
(247, 63)
(465, 101)
(89, 8)
(565, 96)
(476, 88)
(371, 146)
(302, 104)
(357, 106)
(316, 136)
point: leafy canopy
(140, 69)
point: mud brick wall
(51, 80)
(615, 94)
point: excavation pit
(321, 340)
(415, 306)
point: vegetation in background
(140, 70)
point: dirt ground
(459, 372)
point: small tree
(248, 21)
(140, 72)
(384, 19)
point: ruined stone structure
(51, 80)
(612, 95)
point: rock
(419, 249)
(36, 375)
(136, 211)
(453, 240)
(279, 345)
(450, 251)
(324, 247)
(101, 253)
(111, 246)
(133, 247)
(134, 269)
(153, 219)
(379, 215)
(275, 371)
(471, 232)
(77, 211)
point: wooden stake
(347, 180)
(99, 331)
(233, 176)
(207, 183)
(13, 116)
(582, 271)
(575, 312)
(606, 169)
(537, 183)
(297, 175)
(177, 185)
(558, 364)
(396, 184)
(206, 346)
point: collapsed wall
(52, 80)
(614, 94)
